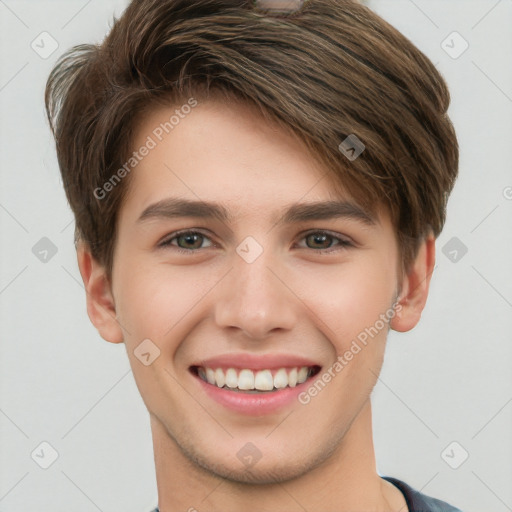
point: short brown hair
(331, 69)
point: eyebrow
(296, 213)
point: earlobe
(100, 301)
(414, 293)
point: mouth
(250, 381)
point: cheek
(156, 300)
(353, 298)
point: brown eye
(319, 240)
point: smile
(255, 381)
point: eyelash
(343, 243)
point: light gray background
(449, 380)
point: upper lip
(255, 362)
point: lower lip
(253, 404)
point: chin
(268, 474)
(265, 471)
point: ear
(100, 301)
(415, 287)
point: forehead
(225, 153)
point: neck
(345, 481)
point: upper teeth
(262, 380)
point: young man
(257, 195)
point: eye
(322, 241)
(191, 241)
(186, 241)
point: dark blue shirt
(416, 501)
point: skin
(291, 299)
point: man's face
(249, 292)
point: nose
(256, 299)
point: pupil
(320, 239)
(189, 239)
